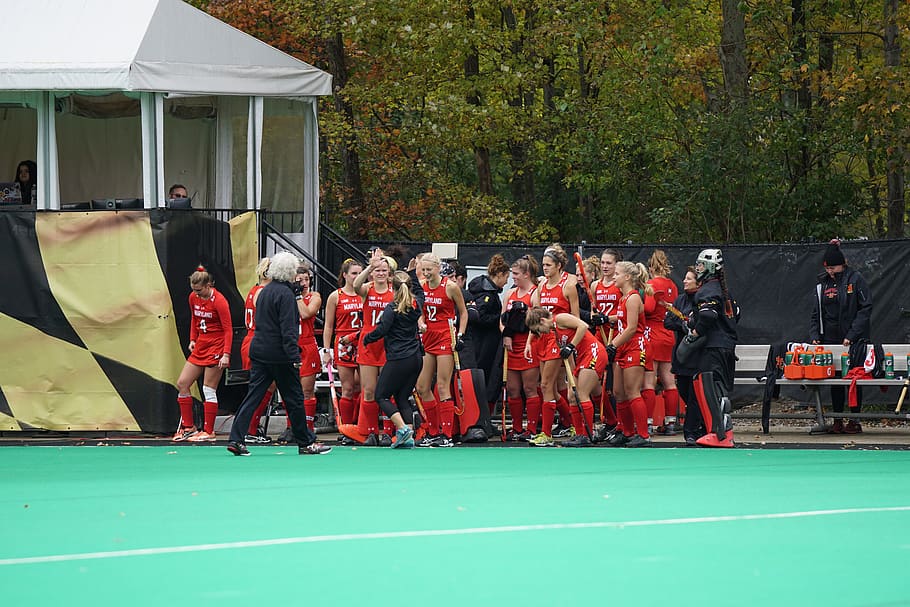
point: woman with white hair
(275, 356)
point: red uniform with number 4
(210, 329)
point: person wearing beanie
(843, 306)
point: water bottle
(889, 365)
(844, 364)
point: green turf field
(193, 525)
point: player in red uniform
(254, 434)
(371, 357)
(662, 342)
(343, 321)
(556, 292)
(442, 300)
(523, 377)
(211, 337)
(590, 358)
(607, 296)
(629, 351)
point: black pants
(694, 425)
(397, 380)
(287, 377)
(833, 335)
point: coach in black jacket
(843, 306)
(275, 356)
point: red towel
(855, 374)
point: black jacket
(854, 302)
(710, 318)
(483, 327)
(277, 325)
(399, 329)
(685, 303)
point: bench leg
(819, 427)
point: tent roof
(143, 45)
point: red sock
(587, 408)
(368, 419)
(627, 419)
(564, 393)
(660, 414)
(186, 411)
(432, 409)
(257, 414)
(609, 416)
(640, 413)
(346, 409)
(578, 421)
(565, 412)
(546, 421)
(309, 405)
(210, 411)
(387, 426)
(515, 409)
(671, 403)
(446, 416)
(357, 397)
(534, 404)
(647, 394)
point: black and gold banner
(93, 312)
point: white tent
(137, 65)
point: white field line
(346, 537)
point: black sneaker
(562, 431)
(385, 440)
(371, 441)
(313, 449)
(285, 437)
(638, 441)
(617, 439)
(258, 439)
(691, 441)
(426, 441)
(579, 441)
(238, 448)
(442, 441)
(345, 441)
(602, 432)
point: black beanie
(833, 255)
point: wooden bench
(751, 370)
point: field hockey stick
(458, 385)
(900, 401)
(675, 311)
(335, 407)
(505, 392)
(584, 278)
(571, 379)
(424, 422)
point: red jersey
(438, 308)
(249, 310)
(348, 314)
(606, 298)
(307, 333)
(211, 320)
(517, 360)
(372, 308)
(554, 299)
(622, 322)
(249, 319)
(665, 290)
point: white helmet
(711, 260)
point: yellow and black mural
(93, 312)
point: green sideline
(193, 525)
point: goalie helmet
(708, 263)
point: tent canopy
(144, 45)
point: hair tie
(200, 268)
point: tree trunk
(481, 152)
(350, 176)
(733, 52)
(896, 203)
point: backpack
(870, 356)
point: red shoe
(853, 427)
(837, 427)
(711, 440)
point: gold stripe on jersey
(53, 384)
(103, 271)
(244, 251)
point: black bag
(859, 351)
